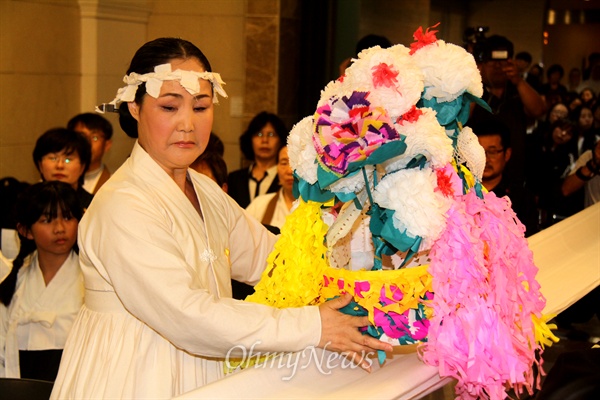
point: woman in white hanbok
(42, 289)
(159, 245)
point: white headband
(154, 80)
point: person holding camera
(510, 97)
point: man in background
(494, 137)
(98, 131)
(509, 96)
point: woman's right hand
(339, 332)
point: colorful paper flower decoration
(389, 141)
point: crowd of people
(545, 134)
(161, 246)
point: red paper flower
(444, 183)
(411, 115)
(423, 38)
(384, 75)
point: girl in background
(42, 294)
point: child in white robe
(42, 294)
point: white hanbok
(258, 208)
(158, 318)
(39, 316)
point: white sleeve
(133, 243)
(581, 161)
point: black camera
(475, 34)
(494, 48)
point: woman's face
(62, 167)
(558, 111)
(266, 143)
(175, 127)
(561, 135)
(586, 95)
(586, 118)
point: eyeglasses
(493, 153)
(265, 134)
(53, 158)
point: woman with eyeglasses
(260, 144)
(64, 155)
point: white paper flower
(470, 151)
(354, 183)
(424, 136)
(303, 157)
(418, 207)
(449, 71)
(391, 77)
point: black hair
(590, 102)
(10, 188)
(92, 122)
(40, 199)
(492, 125)
(215, 145)
(525, 56)
(563, 123)
(215, 163)
(576, 113)
(372, 40)
(156, 52)
(484, 51)
(258, 122)
(555, 68)
(61, 139)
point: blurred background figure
(365, 42)
(260, 144)
(535, 77)
(523, 62)
(551, 160)
(591, 75)
(585, 173)
(10, 188)
(553, 90)
(586, 136)
(494, 137)
(98, 130)
(211, 163)
(272, 208)
(512, 100)
(574, 80)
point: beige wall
(39, 77)
(62, 57)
